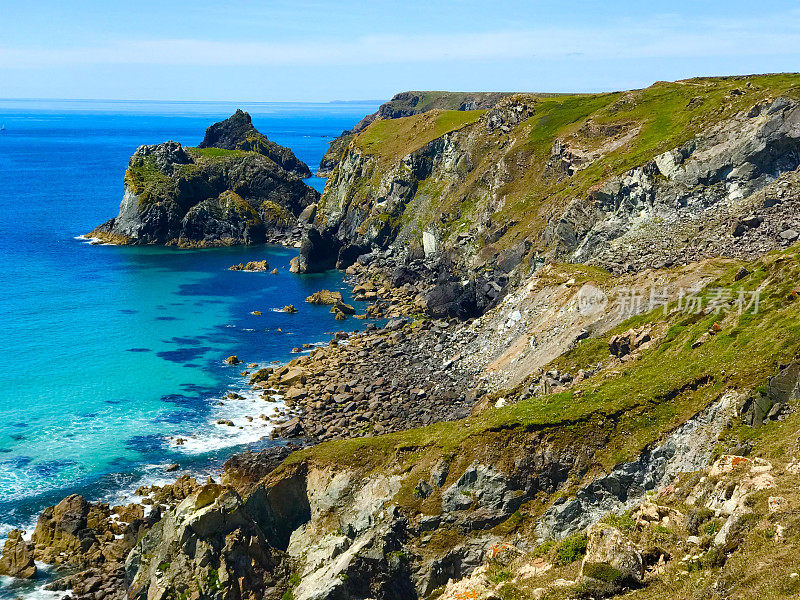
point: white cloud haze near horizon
(619, 53)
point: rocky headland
(236, 187)
(587, 386)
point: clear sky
(319, 51)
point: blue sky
(318, 51)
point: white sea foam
(244, 430)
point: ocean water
(110, 353)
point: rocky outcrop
(406, 104)
(208, 546)
(635, 220)
(251, 266)
(17, 559)
(333, 154)
(237, 133)
(612, 563)
(209, 196)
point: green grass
(214, 153)
(571, 548)
(149, 183)
(390, 139)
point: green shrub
(623, 522)
(571, 548)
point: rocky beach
(579, 379)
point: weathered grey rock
(688, 449)
(491, 495)
(612, 563)
(208, 545)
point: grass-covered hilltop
(236, 187)
(588, 387)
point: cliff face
(239, 192)
(672, 173)
(640, 436)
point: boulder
(611, 563)
(625, 343)
(319, 252)
(290, 429)
(307, 215)
(17, 559)
(341, 307)
(292, 377)
(452, 299)
(325, 297)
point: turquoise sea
(109, 352)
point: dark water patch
(185, 341)
(178, 398)
(148, 443)
(17, 437)
(184, 354)
(52, 468)
(166, 318)
(128, 311)
(138, 350)
(19, 462)
(19, 424)
(197, 389)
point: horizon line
(155, 101)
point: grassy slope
(664, 116)
(636, 402)
(392, 139)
